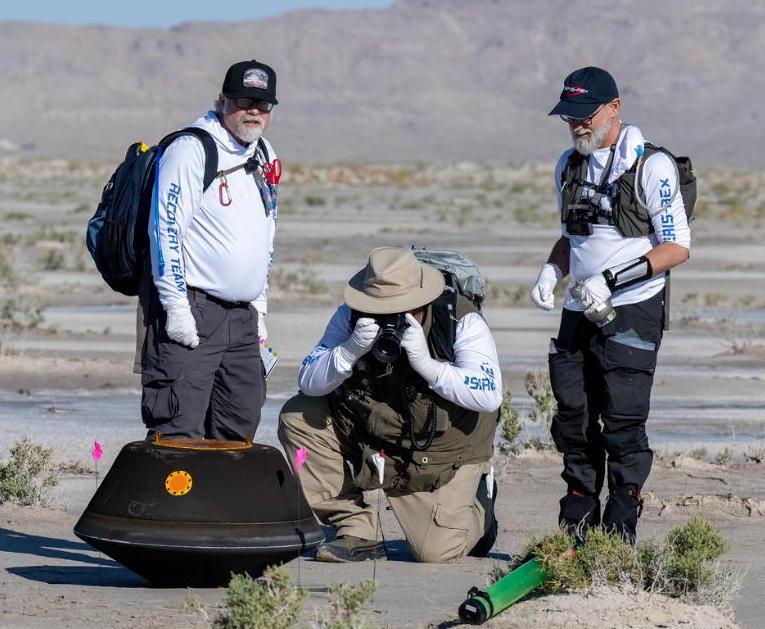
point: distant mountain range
(443, 80)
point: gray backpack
(461, 273)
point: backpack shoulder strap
(648, 150)
(572, 169)
(208, 144)
(263, 149)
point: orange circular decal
(178, 483)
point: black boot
(578, 512)
(484, 545)
(623, 508)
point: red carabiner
(273, 171)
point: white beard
(589, 142)
(247, 133)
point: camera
(579, 226)
(387, 346)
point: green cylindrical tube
(483, 604)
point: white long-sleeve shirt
(197, 241)
(606, 246)
(472, 381)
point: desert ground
(66, 355)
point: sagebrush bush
(688, 555)
(346, 606)
(604, 559)
(539, 388)
(685, 564)
(509, 426)
(27, 474)
(270, 602)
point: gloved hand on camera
(542, 293)
(416, 346)
(360, 341)
(181, 326)
(591, 292)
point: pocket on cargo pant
(569, 424)
(628, 379)
(159, 401)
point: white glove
(591, 292)
(181, 326)
(542, 293)
(416, 346)
(360, 341)
(262, 330)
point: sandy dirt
(67, 380)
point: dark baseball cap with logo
(250, 79)
(584, 91)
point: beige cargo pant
(440, 526)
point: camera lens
(387, 347)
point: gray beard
(590, 142)
(248, 134)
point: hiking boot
(623, 508)
(485, 544)
(578, 512)
(346, 548)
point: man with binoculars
(400, 394)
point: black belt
(218, 300)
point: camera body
(579, 226)
(387, 345)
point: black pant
(602, 379)
(214, 391)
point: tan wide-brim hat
(393, 281)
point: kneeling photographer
(401, 393)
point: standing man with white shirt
(418, 423)
(211, 253)
(618, 241)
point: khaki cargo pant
(440, 526)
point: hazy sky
(163, 12)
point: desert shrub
(509, 426)
(18, 216)
(346, 606)
(724, 457)
(604, 559)
(501, 295)
(544, 408)
(8, 277)
(301, 281)
(538, 387)
(698, 453)
(685, 564)
(52, 260)
(23, 312)
(27, 474)
(314, 200)
(270, 602)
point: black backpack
(117, 235)
(629, 213)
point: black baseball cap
(584, 91)
(250, 79)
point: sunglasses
(585, 122)
(262, 106)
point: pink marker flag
(97, 452)
(300, 456)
